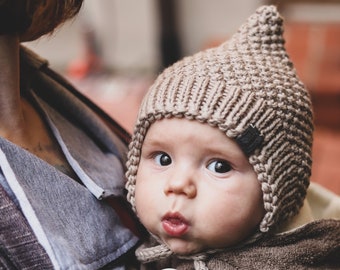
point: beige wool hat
(248, 88)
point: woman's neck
(20, 123)
(12, 123)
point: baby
(220, 160)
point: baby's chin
(184, 247)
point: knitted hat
(248, 88)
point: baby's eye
(219, 166)
(163, 159)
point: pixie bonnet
(248, 88)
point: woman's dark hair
(34, 18)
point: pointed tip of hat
(262, 28)
(267, 10)
(267, 15)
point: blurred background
(115, 48)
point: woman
(60, 156)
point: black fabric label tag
(250, 140)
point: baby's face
(195, 188)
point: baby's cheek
(146, 215)
(144, 206)
(147, 200)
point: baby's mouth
(175, 224)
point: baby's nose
(181, 184)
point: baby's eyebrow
(153, 142)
